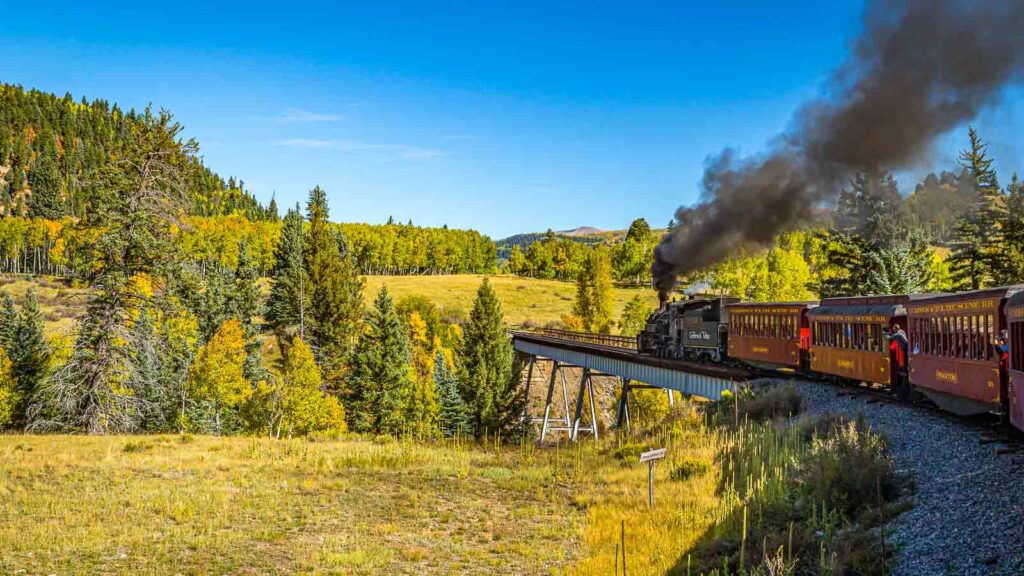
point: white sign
(652, 455)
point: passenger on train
(1003, 346)
(898, 344)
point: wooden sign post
(650, 457)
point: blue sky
(506, 119)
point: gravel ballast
(968, 516)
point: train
(950, 346)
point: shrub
(759, 403)
(848, 469)
(628, 453)
(771, 402)
(689, 468)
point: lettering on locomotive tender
(945, 376)
(702, 335)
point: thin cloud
(306, 116)
(356, 146)
(304, 143)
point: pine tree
(336, 306)
(453, 417)
(288, 305)
(247, 305)
(138, 203)
(485, 368)
(8, 322)
(902, 267)
(602, 294)
(149, 353)
(273, 214)
(1011, 270)
(29, 353)
(975, 260)
(46, 183)
(582, 306)
(381, 383)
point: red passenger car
(848, 338)
(953, 357)
(1015, 388)
(774, 335)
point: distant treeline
(63, 248)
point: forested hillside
(52, 150)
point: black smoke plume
(918, 69)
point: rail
(589, 338)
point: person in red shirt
(898, 345)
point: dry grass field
(200, 505)
(522, 299)
(196, 505)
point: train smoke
(918, 69)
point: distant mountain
(581, 231)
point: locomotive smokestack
(918, 69)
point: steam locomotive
(964, 351)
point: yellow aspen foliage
(9, 395)
(216, 374)
(305, 408)
(417, 329)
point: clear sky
(506, 119)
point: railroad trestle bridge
(614, 358)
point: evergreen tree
(381, 383)
(486, 381)
(582, 306)
(273, 214)
(29, 353)
(454, 417)
(290, 292)
(975, 260)
(149, 380)
(138, 204)
(247, 306)
(46, 183)
(1011, 270)
(901, 267)
(602, 294)
(8, 322)
(336, 306)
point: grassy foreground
(750, 500)
(166, 505)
